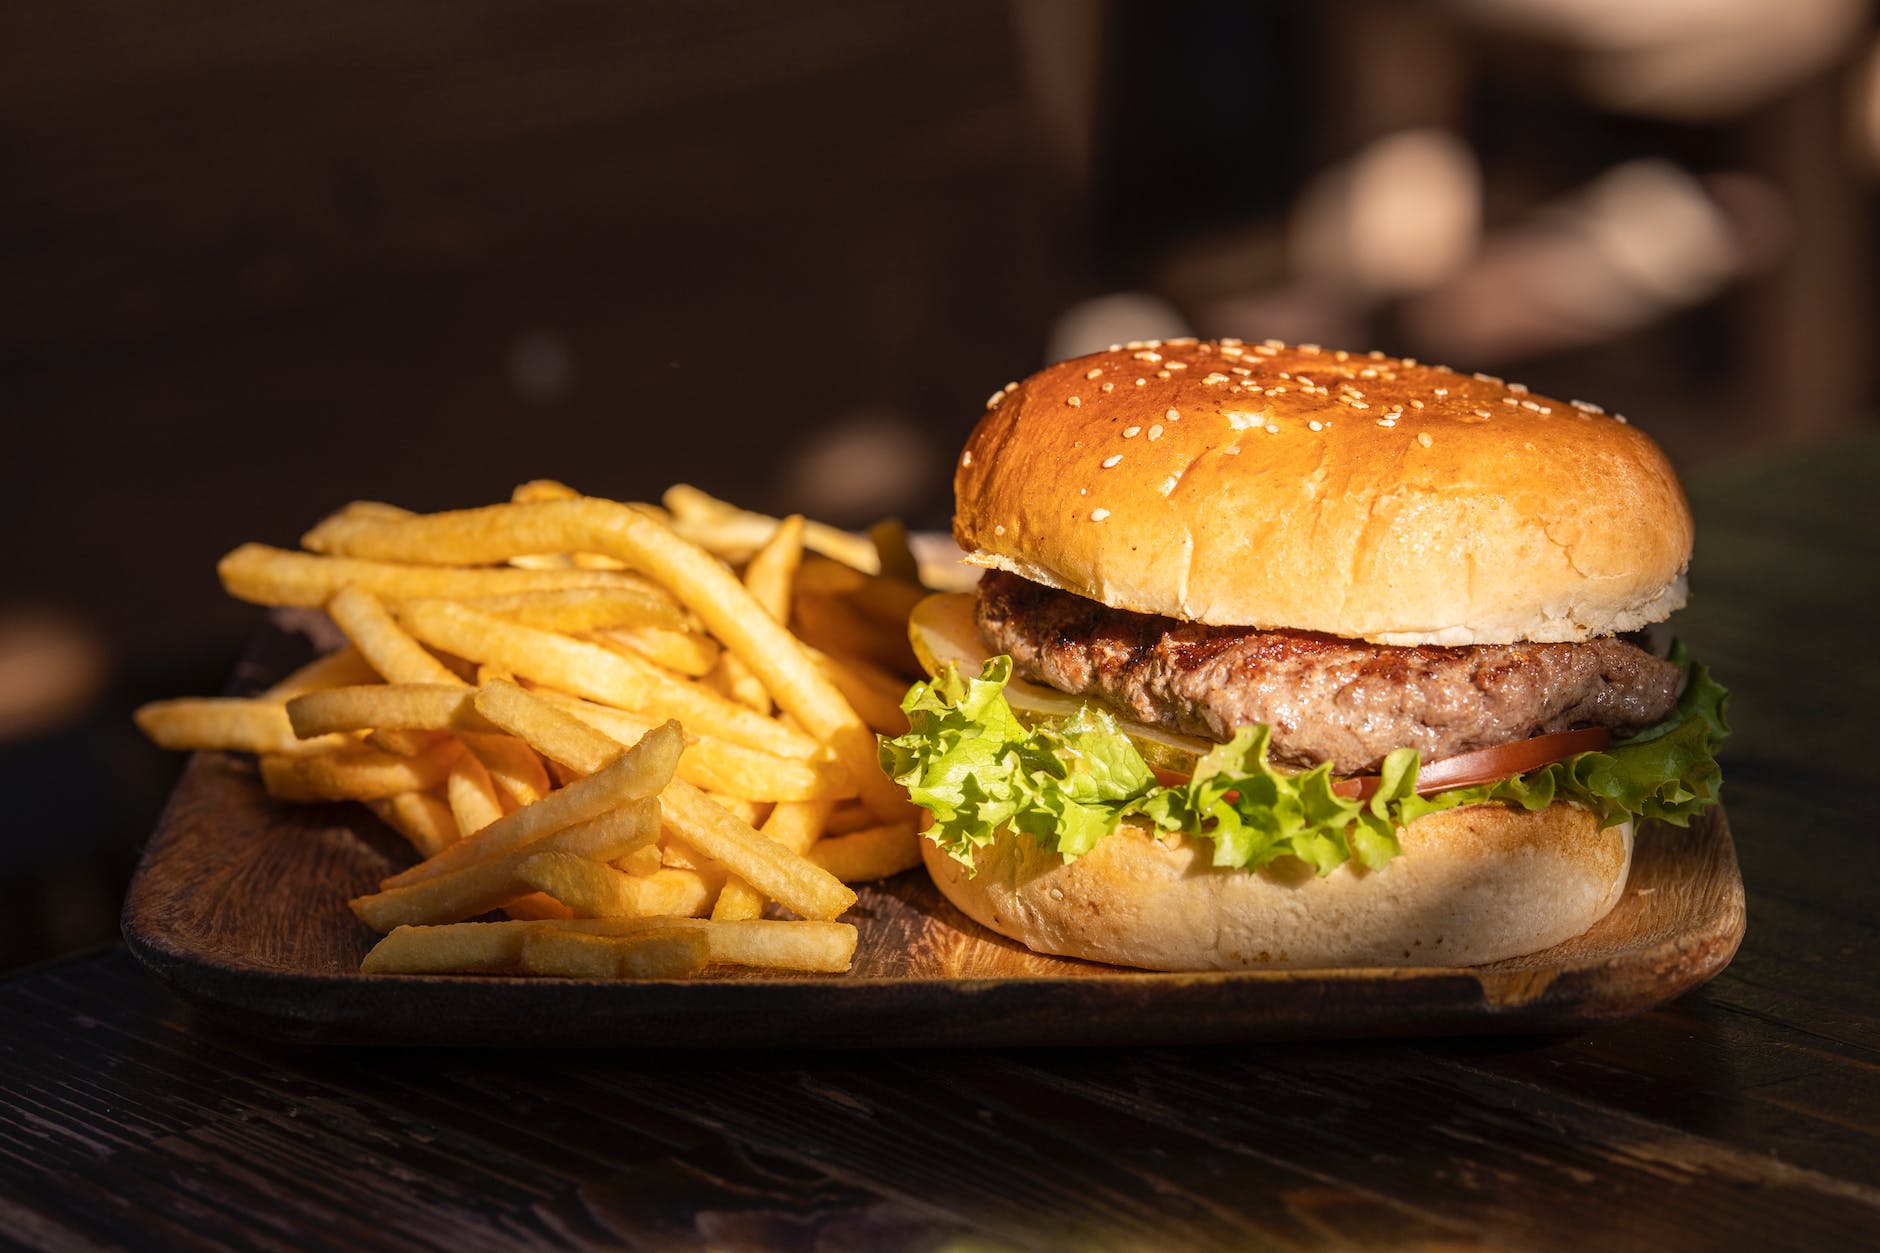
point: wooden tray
(240, 906)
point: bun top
(1356, 494)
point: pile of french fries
(628, 728)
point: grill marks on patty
(1326, 698)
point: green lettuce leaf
(968, 760)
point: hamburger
(1290, 657)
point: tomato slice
(1487, 765)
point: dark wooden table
(1746, 1115)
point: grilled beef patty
(1326, 698)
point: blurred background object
(262, 260)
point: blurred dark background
(258, 260)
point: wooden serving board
(240, 906)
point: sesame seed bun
(1473, 885)
(1359, 495)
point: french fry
(590, 888)
(638, 773)
(537, 907)
(848, 818)
(342, 667)
(826, 947)
(641, 861)
(543, 489)
(514, 768)
(483, 884)
(485, 947)
(354, 773)
(689, 654)
(894, 558)
(717, 766)
(382, 642)
(592, 671)
(555, 733)
(794, 825)
(402, 743)
(783, 876)
(769, 576)
(698, 579)
(456, 948)
(833, 625)
(228, 723)
(697, 514)
(585, 609)
(370, 509)
(420, 817)
(875, 700)
(872, 853)
(396, 706)
(654, 954)
(751, 813)
(262, 575)
(676, 892)
(474, 802)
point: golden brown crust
(1359, 495)
(1472, 885)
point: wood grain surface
(1744, 1116)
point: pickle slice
(941, 630)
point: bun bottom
(1473, 885)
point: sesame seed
(1214, 378)
(1130, 432)
(1317, 426)
(1231, 452)
(1228, 341)
(1098, 515)
(1367, 373)
(1481, 413)
(1148, 356)
(999, 529)
(1386, 422)
(992, 401)
(1442, 391)
(1423, 438)
(1109, 387)
(1270, 430)
(966, 458)
(1416, 404)
(1620, 419)
(1142, 382)
(1544, 409)
(1178, 365)
(1094, 373)
(1509, 400)
(1341, 355)
(1011, 387)
(1116, 348)
(1312, 348)
(1586, 406)
(1074, 402)
(1155, 432)
(1519, 389)
(1162, 374)
(1168, 484)
(1486, 378)
(1173, 415)
(1110, 463)
(1529, 404)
